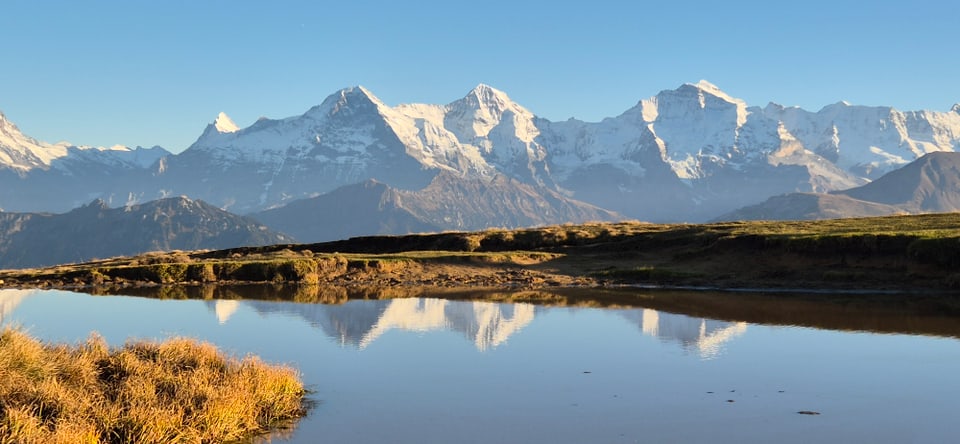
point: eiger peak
(346, 100)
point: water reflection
(9, 300)
(486, 324)
(701, 323)
(224, 308)
(563, 373)
(928, 314)
(360, 323)
(704, 336)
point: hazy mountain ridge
(810, 206)
(930, 184)
(97, 231)
(448, 203)
(352, 210)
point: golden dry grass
(176, 391)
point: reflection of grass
(145, 392)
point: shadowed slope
(929, 184)
(96, 231)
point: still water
(423, 370)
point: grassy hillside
(897, 253)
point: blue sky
(156, 72)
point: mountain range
(353, 165)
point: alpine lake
(628, 365)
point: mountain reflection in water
(651, 367)
(705, 336)
(700, 322)
(360, 323)
(487, 324)
(9, 300)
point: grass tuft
(179, 390)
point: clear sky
(156, 72)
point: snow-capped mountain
(870, 141)
(23, 154)
(683, 155)
(700, 149)
(687, 154)
(39, 176)
(352, 137)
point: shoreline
(898, 254)
(929, 314)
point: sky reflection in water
(430, 370)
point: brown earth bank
(906, 254)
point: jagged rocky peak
(704, 91)
(482, 109)
(224, 124)
(956, 108)
(10, 133)
(690, 99)
(347, 101)
(486, 95)
(706, 87)
(487, 100)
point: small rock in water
(587, 372)
(808, 412)
(730, 400)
